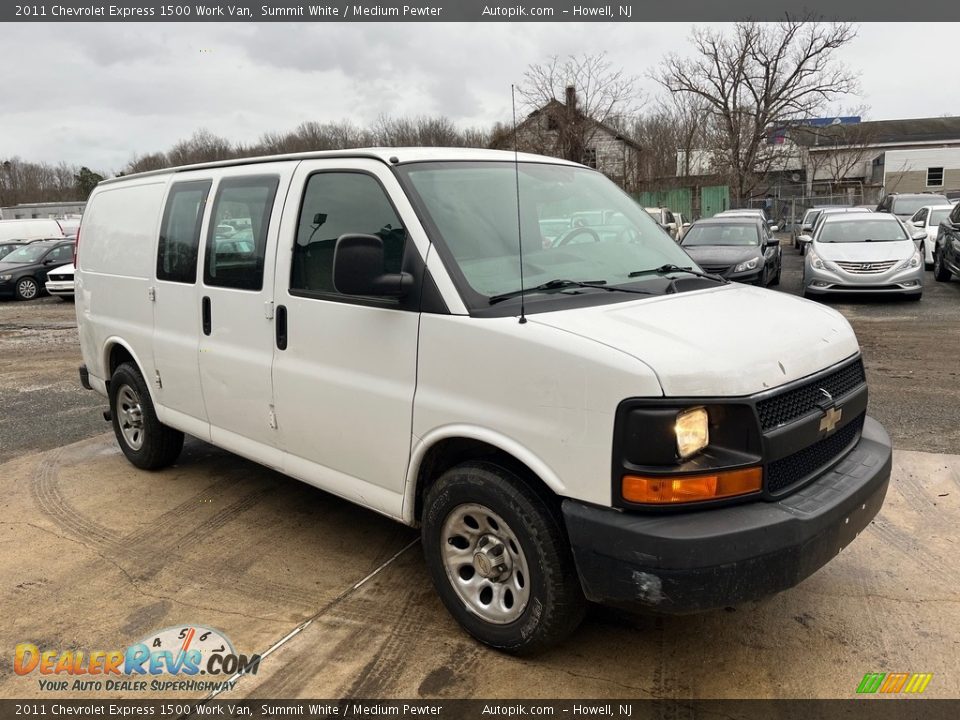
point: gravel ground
(911, 349)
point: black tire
(940, 273)
(555, 605)
(776, 278)
(159, 446)
(27, 288)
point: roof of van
(387, 155)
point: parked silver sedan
(863, 253)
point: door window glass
(237, 239)
(335, 204)
(180, 231)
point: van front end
(790, 477)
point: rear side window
(237, 238)
(63, 254)
(180, 231)
(335, 204)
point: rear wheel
(147, 443)
(498, 555)
(27, 289)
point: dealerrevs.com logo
(174, 659)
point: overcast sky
(97, 94)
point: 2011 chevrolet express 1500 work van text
(354, 319)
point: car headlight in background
(6, 278)
(913, 262)
(748, 265)
(692, 431)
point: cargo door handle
(205, 311)
(281, 322)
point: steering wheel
(565, 240)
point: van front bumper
(689, 562)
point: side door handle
(281, 323)
(205, 312)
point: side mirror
(686, 224)
(918, 236)
(774, 228)
(358, 262)
(48, 261)
(804, 238)
(806, 227)
(917, 223)
(772, 242)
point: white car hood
(866, 252)
(726, 341)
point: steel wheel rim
(27, 289)
(493, 585)
(130, 416)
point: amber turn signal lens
(672, 489)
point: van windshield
(575, 224)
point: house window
(935, 177)
(552, 123)
(590, 157)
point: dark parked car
(738, 248)
(23, 272)
(946, 253)
(904, 205)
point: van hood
(726, 341)
(866, 252)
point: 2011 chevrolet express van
(614, 433)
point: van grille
(868, 268)
(792, 404)
(788, 471)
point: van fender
(472, 432)
(108, 346)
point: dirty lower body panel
(689, 562)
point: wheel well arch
(115, 353)
(455, 450)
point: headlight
(5, 278)
(913, 262)
(748, 265)
(692, 432)
(815, 260)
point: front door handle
(281, 323)
(205, 307)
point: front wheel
(147, 443)
(27, 289)
(499, 558)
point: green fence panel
(714, 199)
(678, 199)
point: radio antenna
(516, 170)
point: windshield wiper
(670, 268)
(561, 284)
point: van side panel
(115, 259)
(548, 398)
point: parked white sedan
(60, 282)
(928, 219)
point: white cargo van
(35, 229)
(613, 433)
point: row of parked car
(882, 249)
(36, 257)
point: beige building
(934, 170)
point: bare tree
(568, 97)
(762, 77)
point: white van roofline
(386, 155)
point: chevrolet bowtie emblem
(828, 423)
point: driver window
(335, 204)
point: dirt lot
(95, 555)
